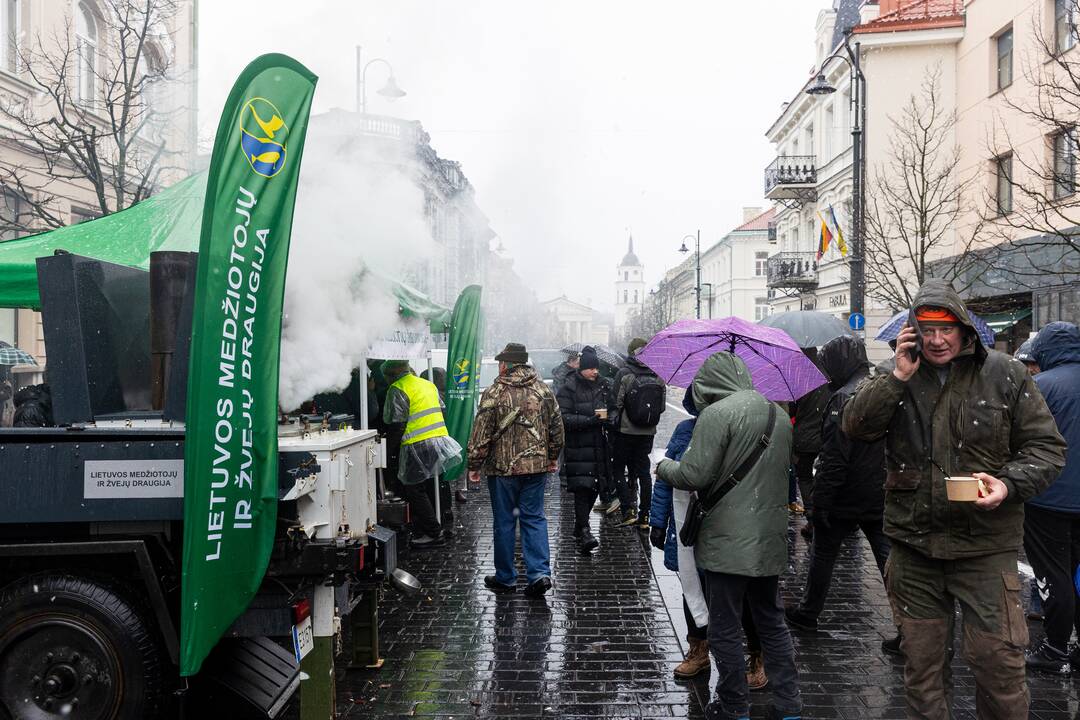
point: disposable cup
(962, 488)
(602, 413)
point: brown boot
(755, 676)
(696, 662)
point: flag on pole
(826, 237)
(463, 378)
(840, 244)
(230, 451)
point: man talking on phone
(948, 407)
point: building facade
(567, 322)
(1000, 66)
(83, 35)
(811, 178)
(734, 270)
(460, 230)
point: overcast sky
(573, 120)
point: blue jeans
(525, 495)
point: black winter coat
(586, 454)
(850, 478)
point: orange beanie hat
(931, 314)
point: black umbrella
(606, 355)
(808, 328)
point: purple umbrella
(779, 369)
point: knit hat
(939, 315)
(589, 361)
(513, 353)
(635, 345)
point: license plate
(303, 639)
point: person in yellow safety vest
(426, 446)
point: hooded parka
(850, 473)
(1057, 351)
(981, 414)
(586, 454)
(746, 532)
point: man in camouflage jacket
(953, 408)
(516, 440)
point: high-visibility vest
(425, 413)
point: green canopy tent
(169, 220)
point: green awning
(1000, 322)
(169, 220)
(413, 303)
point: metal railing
(791, 270)
(790, 170)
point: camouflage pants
(923, 593)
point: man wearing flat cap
(948, 407)
(516, 440)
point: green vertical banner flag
(230, 450)
(463, 376)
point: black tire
(75, 647)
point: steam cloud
(356, 212)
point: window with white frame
(1064, 150)
(761, 259)
(1005, 59)
(761, 308)
(86, 49)
(9, 35)
(11, 216)
(830, 133)
(1064, 24)
(1003, 171)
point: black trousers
(726, 595)
(804, 475)
(421, 511)
(632, 470)
(693, 632)
(826, 548)
(584, 499)
(1052, 544)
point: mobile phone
(916, 351)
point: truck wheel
(74, 647)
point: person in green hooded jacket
(742, 544)
(953, 408)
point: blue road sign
(857, 321)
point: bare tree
(916, 199)
(92, 121)
(1038, 220)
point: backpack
(644, 400)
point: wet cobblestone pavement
(603, 643)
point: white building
(572, 322)
(734, 270)
(629, 288)
(812, 174)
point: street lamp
(821, 86)
(390, 90)
(697, 260)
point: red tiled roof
(761, 222)
(917, 15)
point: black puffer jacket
(850, 477)
(586, 454)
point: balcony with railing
(791, 177)
(792, 270)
